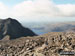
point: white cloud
(47, 8)
(23, 9)
(67, 10)
(34, 10)
(3, 10)
(37, 9)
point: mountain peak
(14, 29)
(9, 18)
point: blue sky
(60, 10)
(14, 2)
(11, 2)
(64, 1)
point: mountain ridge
(14, 29)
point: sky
(38, 10)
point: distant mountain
(71, 30)
(60, 27)
(53, 27)
(14, 29)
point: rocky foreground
(50, 44)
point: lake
(38, 31)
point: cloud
(3, 10)
(34, 10)
(67, 10)
(45, 8)
(23, 9)
(37, 9)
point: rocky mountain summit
(14, 29)
(50, 44)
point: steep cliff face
(14, 29)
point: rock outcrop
(14, 29)
(50, 44)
